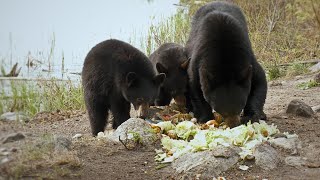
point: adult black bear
(114, 75)
(224, 73)
(171, 59)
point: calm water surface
(50, 31)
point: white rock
(315, 67)
(76, 136)
(194, 120)
(14, 116)
(132, 127)
(5, 153)
(316, 108)
(4, 160)
(243, 167)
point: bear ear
(185, 64)
(159, 79)
(131, 77)
(161, 68)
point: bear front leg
(120, 109)
(201, 109)
(254, 107)
(98, 114)
(163, 99)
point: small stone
(315, 67)
(5, 153)
(14, 116)
(13, 137)
(295, 161)
(266, 157)
(61, 143)
(4, 160)
(243, 167)
(76, 136)
(316, 108)
(249, 157)
(299, 108)
(194, 120)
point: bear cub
(224, 73)
(115, 75)
(171, 59)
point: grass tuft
(35, 97)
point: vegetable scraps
(189, 137)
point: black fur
(224, 73)
(114, 75)
(171, 59)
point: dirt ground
(90, 158)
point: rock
(4, 152)
(316, 108)
(61, 143)
(292, 145)
(3, 149)
(295, 161)
(4, 160)
(315, 67)
(14, 116)
(206, 163)
(13, 137)
(266, 157)
(76, 136)
(299, 108)
(135, 129)
(243, 167)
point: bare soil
(90, 158)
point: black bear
(224, 73)
(114, 75)
(171, 59)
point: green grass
(297, 69)
(34, 97)
(308, 85)
(275, 72)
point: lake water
(63, 31)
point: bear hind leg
(98, 114)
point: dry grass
(41, 160)
(281, 31)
